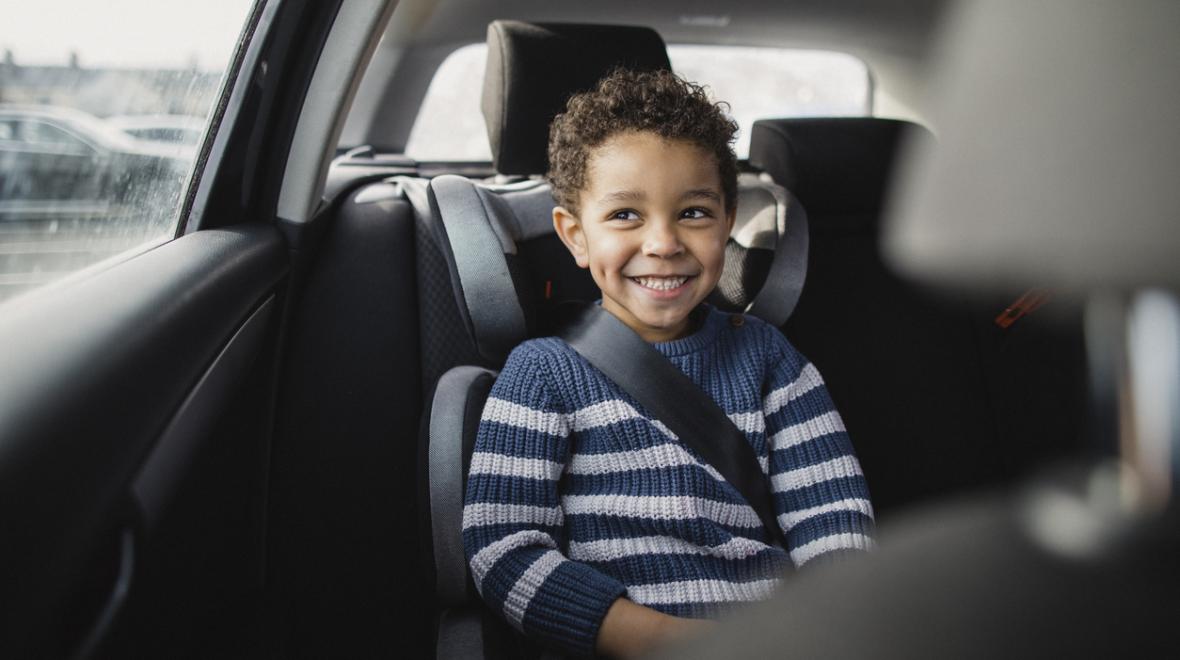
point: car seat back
(935, 397)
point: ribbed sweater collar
(704, 336)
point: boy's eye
(696, 213)
(625, 214)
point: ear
(569, 230)
(730, 218)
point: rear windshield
(757, 83)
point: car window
(75, 188)
(757, 83)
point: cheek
(607, 255)
(712, 254)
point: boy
(587, 523)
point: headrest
(509, 269)
(532, 71)
(834, 165)
(1057, 162)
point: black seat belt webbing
(669, 394)
(776, 300)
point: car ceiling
(891, 36)
(897, 26)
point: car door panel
(95, 373)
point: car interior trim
(337, 75)
(227, 114)
(80, 448)
(174, 452)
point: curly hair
(657, 101)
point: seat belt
(669, 394)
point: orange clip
(1025, 304)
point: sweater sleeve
(513, 519)
(820, 496)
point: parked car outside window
(99, 129)
(168, 129)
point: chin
(665, 323)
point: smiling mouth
(661, 283)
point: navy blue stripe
(585, 528)
(475, 538)
(836, 522)
(824, 492)
(786, 371)
(711, 610)
(812, 404)
(509, 440)
(694, 531)
(816, 450)
(625, 435)
(698, 610)
(658, 568)
(686, 480)
(502, 489)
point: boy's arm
(513, 522)
(820, 495)
(630, 630)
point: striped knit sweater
(576, 497)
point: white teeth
(661, 283)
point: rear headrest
(532, 71)
(834, 165)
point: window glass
(450, 124)
(756, 82)
(76, 186)
(765, 83)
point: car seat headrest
(766, 255)
(834, 165)
(533, 69)
(509, 270)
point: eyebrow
(702, 193)
(638, 196)
(623, 196)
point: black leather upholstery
(533, 69)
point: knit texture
(576, 496)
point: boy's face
(651, 229)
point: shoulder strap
(480, 271)
(669, 394)
(776, 300)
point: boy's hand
(630, 630)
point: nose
(662, 240)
